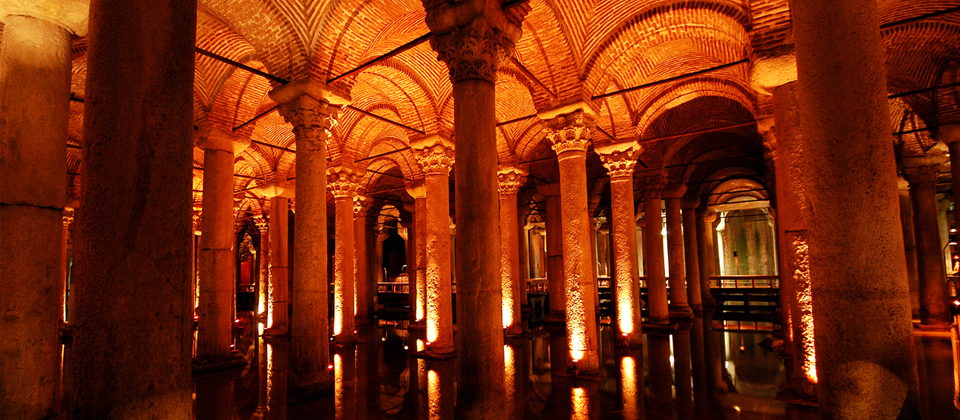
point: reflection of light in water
(576, 355)
(259, 328)
(269, 372)
(509, 373)
(337, 386)
(433, 394)
(420, 345)
(628, 376)
(580, 402)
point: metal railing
(745, 281)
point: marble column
(435, 156)
(216, 252)
(705, 234)
(568, 130)
(910, 245)
(691, 256)
(343, 181)
(659, 312)
(364, 287)
(922, 175)
(554, 269)
(35, 64)
(509, 181)
(679, 307)
(417, 251)
(866, 362)
(263, 284)
(134, 326)
(620, 161)
(473, 43)
(278, 292)
(310, 107)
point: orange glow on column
(505, 286)
(801, 277)
(628, 377)
(576, 355)
(421, 294)
(433, 394)
(337, 308)
(433, 326)
(509, 373)
(337, 386)
(269, 296)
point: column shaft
(934, 309)
(364, 288)
(705, 255)
(214, 333)
(439, 284)
(653, 254)
(133, 242)
(627, 290)
(555, 277)
(34, 85)
(343, 272)
(692, 259)
(279, 292)
(865, 358)
(510, 264)
(910, 247)
(678, 288)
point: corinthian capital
(434, 153)
(620, 158)
(569, 126)
(343, 181)
(652, 186)
(510, 179)
(262, 223)
(311, 107)
(360, 205)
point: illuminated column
(691, 255)
(679, 308)
(364, 289)
(554, 236)
(865, 353)
(510, 180)
(922, 174)
(35, 63)
(134, 321)
(65, 259)
(343, 182)
(473, 43)
(216, 259)
(310, 107)
(705, 234)
(620, 160)
(417, 248)
(568, 130)
(435, 156)
(653, 251)
(278, 318)
(263, 226)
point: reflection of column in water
(441, 389)
(277, 380)
(661, 376)
(681, 365)
(700, 410)
(214, 396)
(558, 351)
(422, 395)
(937, 356)
(632, 387)
(344, 385)
(714, 365)
(261, 412)
(509, 374)
(580, 402)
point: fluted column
(679, 308)
(310, 108)
(343, 182)
(659, 312)
(510, 179)
(705, 234)
(620, 161)
(364, 289)
(473, 42)
(554, 263)
(35, 63)
(691, 255)
(866, 364)
(934, 298)
(435, 156)
(216, 252)
(568, 130)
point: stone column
(569, 130)
(417, 251)
(35, 64)
(364, 289)
(343, 182)
(620, 161)
(865, 358)
(216, 253)
(278, 317)
(473, 43)
(134, 327)
(679, 308)
(554, 268)
(435, 156)
(934, 296)
(263, 225)
(705, 232)
(950, 135)
(510, 179)
(910, 245)
(659, 312)
(310, 108)
(691, 256)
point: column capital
(434, 153)
(212, 138)
(620, 158)
(344, 181)
(771, 70)
(510, 179)
(417, 190)
(271, 190)
(569, 126)
(948, 134)
(652, 186)
(311, 107)
(71, 15)
(262, 223)
(708, 215)
(922, 177)
(361, 205)
(67, 216)
(473, 37)
(674, 190)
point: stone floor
(695, 373)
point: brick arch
(710, 33)
(530, 139)
(402, 161)
(711, 151)
(685, 95)
(513, 101)
(545, 49)
(917, 55)
(237, 99)
(617, 114)
(718, 176)
(732, 188)
(395, 81)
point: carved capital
(619, 159)
(473, 38)
(417, 190)
(262, 223)
(922, 177)
(569, 127)
(67, 216)
(343, 181)
(434, 153)
(509, 180)
(652, 186)
(210, 138)
(311, 120)
(360, 205)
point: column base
(659, 327)
(515, 332)
(681, 313)
(429, 355)
(555, 318)
(296, 393)
(697, 309)
(210, 364)
(345, 340)
(589, 365)
(632, 340)
(274, 332)
(932, 327)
